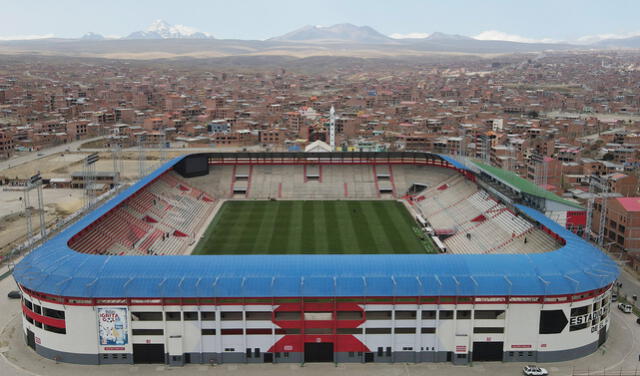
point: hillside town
(555, 120)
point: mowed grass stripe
(332, 228)
(383, 238)
(308, 225)
(392, 221)
(229, 230)
(280, 227)
(264, 229)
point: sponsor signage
(113, 326)
(521, 346)
(114, 348)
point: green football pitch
(313, 227)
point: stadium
(319, 257)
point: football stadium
(320, 257)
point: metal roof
(56, 269)
(524, 185)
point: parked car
(638, 320)
(614, 297)
(14, 294)
(534, 371)
(624, 307)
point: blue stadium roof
(56, 269)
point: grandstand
(315, 257)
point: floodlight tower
(332, 128)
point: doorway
(318, 352)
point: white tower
(332, 128)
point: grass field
(294, 227)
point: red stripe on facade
(56, 323)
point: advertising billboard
(113, 326)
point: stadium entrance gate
(318, 352)
(148, 353)
(487, 351)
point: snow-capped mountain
(161, 29)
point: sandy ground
(58, 203)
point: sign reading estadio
(113, 326)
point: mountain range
(163, 40)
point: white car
(626, 308)
(534, 371)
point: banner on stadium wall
(113, 326)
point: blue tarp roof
(56, 269)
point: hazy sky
(561, 20)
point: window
(207, 316)
(446, 315)
(377, 331)
(406, 315)
(256, 352)
(248, 353)
(37, 309)
(230, 332)
(489, 314)
(388, 351)
(28, 304)
(229, 349)
(172, 316)
(230, 316)
(428, 315)
(190, 316)
(580, 310)
(147, 332)
(53, 313)
(287, 331)
(29, 319)
(405, 330)
(251, 316)
(378, 315)
(380, 351)
(349, 315)
(463, 315)
(349, 331)
(208, 332)
(318, 331)
(55, 330)
(352, 354)
(38, 324)
(258, 331)
(488, 330)
(407, 348)
(428, 330)
(146, 316)
(293, 315)
(311, 316)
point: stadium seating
(167, 215)
(147, 222)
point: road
(31, 156)
(630, 286)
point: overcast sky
(521, 20)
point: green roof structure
(524, 185)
